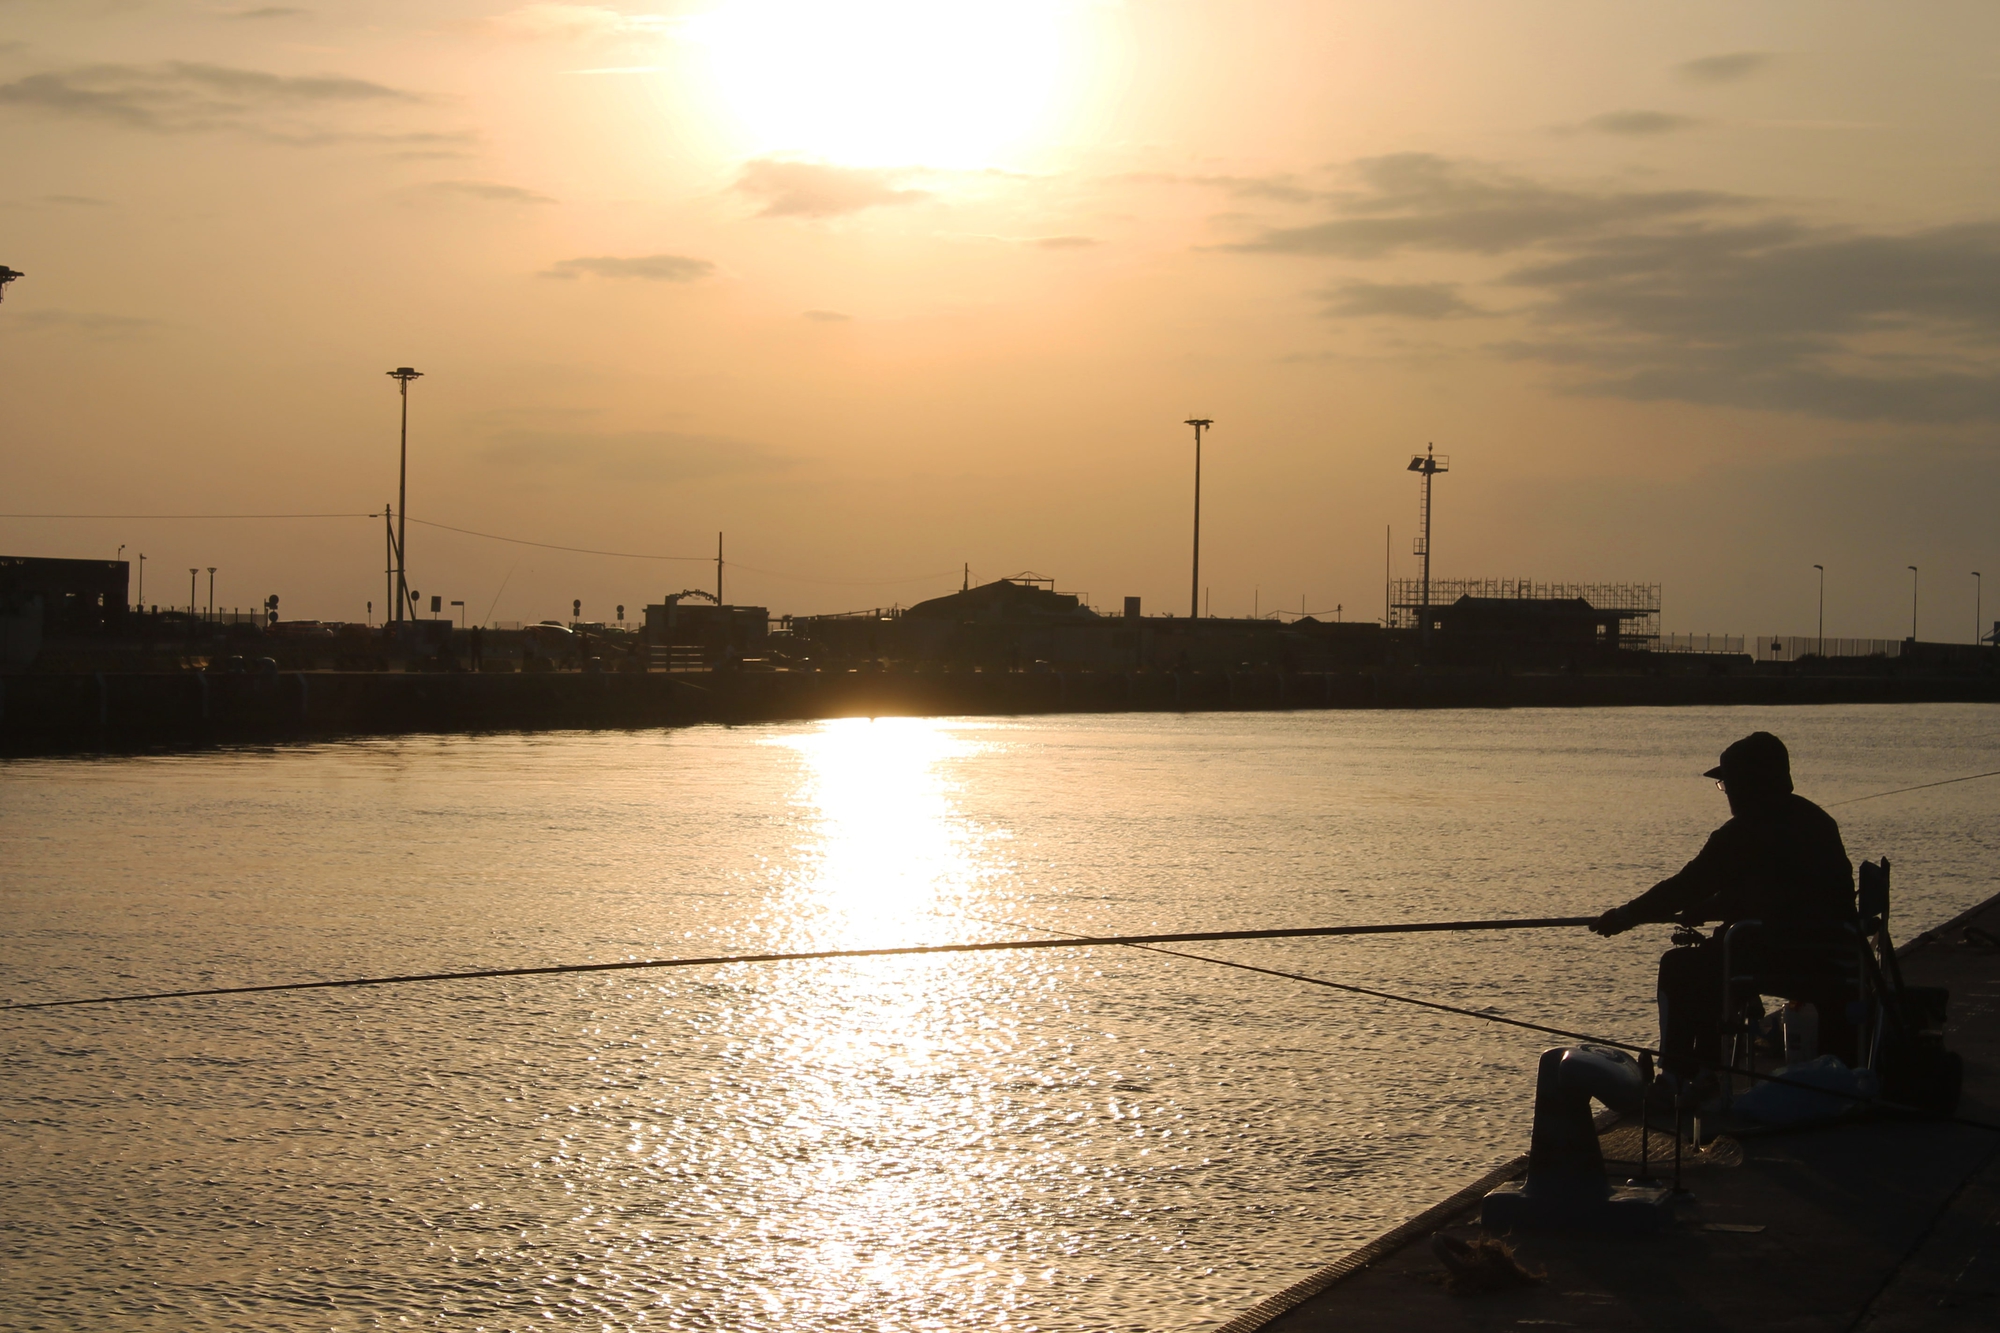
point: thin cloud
(492, 192)
(652, 268)
(1781, 316)
(571, 23)
(1284, 188)
(189, 97)
(817, 190)
(1397, 300)
(633, 457)
(1063, 242)
(88, 324)
(267, 12)
(77, 201)
(1640, 124)
(1727, 68)
(1419, 201)
(827, 317)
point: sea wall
(115, 710)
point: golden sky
(1698, 294)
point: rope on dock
(903, 951)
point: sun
(893, 83)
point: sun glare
(893, 83)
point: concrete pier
(44, 712)
(1878, 1226)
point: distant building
(71, 597)
(1510, 615)
(689, 630)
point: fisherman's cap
(1758, 761)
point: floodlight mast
(403, 375)
(7, 275)
(1200, 424)
(1428, 464)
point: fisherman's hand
(1614, 922)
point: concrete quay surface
(1876, 1226)
(112, 709)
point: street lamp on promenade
(403, 375)
(1977, 607)
(1200, 424)
(1821, 649)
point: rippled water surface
(1078, 1139)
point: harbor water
(1073, 1139)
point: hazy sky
(1697, 294)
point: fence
(1791, 647)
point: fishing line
(1921, 786)
(1352, 989)
(1489, 1017)
(910, 950)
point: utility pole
(388, 562)
(193, 605)
(965, 583)
(1821, 650)
(718, 569)
(1913, 602)
(142, 581)
(1200, 424)
(1428, 465)
(211, 592)
(403, 375)
(1977, 606)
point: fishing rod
(900, 951)
(1487, 1016)
(1921, 786)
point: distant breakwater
(87, 711)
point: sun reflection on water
(886, 851)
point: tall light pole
(1200, 424)
(1820, 651)
(1428, 465)
(403, 375)
(193, 606)
(1978, 587)
(211, 592)
(142, 580)
(1913, 603)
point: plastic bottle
(1801, 1031)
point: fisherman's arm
(1699, 882)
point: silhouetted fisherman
(1778, 860)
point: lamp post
(403, 375)
(1821, 649)
(1977, 607)
(1428, 465)
(142, 581)
(1200, 424)
(211, 592)
(193, 606)
(1913, 602)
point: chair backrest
(1874, 895)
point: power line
(181, 516)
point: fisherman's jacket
(1780, 862)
